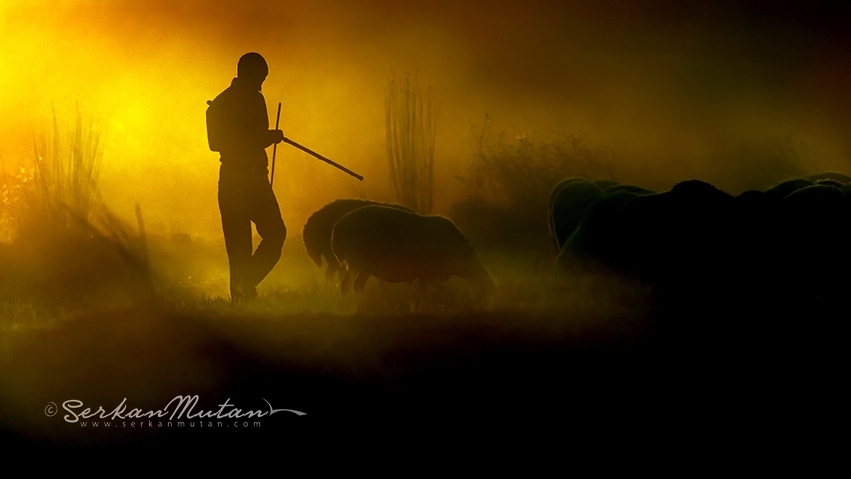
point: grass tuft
(62, 245)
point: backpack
(215, 125)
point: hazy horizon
(671, 92)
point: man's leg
(266, 215)
(236, 226)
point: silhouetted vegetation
(508, 185)
(411, 114)
(62, 244)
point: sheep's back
(397, 245)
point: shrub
(62, 242)
(508, 185)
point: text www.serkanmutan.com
(168, 424)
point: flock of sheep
(693, 243)
(698, 244)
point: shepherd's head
(252, 69)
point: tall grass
(63, 245)
(411, 113)
(67, 170)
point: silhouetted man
(238, 128)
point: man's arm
(248, 125)
(269, 137)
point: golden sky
(668, 90)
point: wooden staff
(326, 160)
(275, 147)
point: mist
(666, 304)
(670, 92)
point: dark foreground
(693, 378)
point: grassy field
(396, 357)
(591, 354)
(95, 314)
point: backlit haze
(671, 92)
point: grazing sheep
(755, 222)
(816, 232)
(561, 185)
(317, 231)
(706, 253)
(571, 196)
(789, 186)
(792, 249)
(396, 245)
(567, 203)
(664, 238)
(596, 240)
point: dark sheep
(792, 248)
(567, 203)
(396, 245)
(756, 219)
(595, 242)
(817, 229)
(698, 245)
(763, 269)
(561, 185)
(785, 188)
(671, 238)
(317, 231)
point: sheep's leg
(342, 270)
(360, 281)
(333, 268)
(344, 284)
